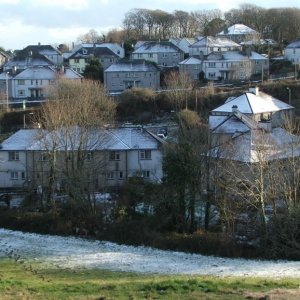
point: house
(247, 121)
(34, 55)
(234, 65)
(192, 66)
(240, 33)
(80, 56)
(126, 74)
(111, 156)
(164, 54)
(32, 83)
(209, 44)
(183, 44)
(292, 52)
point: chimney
(254, 90)
(235, 108)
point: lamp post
(290, 95)
(6, 91)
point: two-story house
(235, 124)
(209, 44)
(80, 56)
(112, 156)
(192, 66)
(131, 73)
(164, 54)
(234, 65)
(240, 33)
(34, 55)
(32, 83)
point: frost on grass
(71, 252)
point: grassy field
(23, 280)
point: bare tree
(70, 132)
(179, 86)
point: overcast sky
(28, 22)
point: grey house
(164, 54)
(191, 66)
(131, 73)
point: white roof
(237, 29)
(108, 139)
(210, 41)
(278, 144)
(191, 61)
(37, 73)
(132, 66)
(249, 103)
(21, 140)
(234, 56)
(227, 124)
(157, 47)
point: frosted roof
(249, 103)
(238, 29)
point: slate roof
(157, 47)
(96, 51)
(137, 65)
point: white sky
(25, 22)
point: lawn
(24, 280)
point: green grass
(27, 281)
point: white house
(112, 156)
(244, 123)
(234, 65)
(292, 52)
(240, 33)
(208, 44)
(32, 83)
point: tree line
(280, 24)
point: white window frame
(145, 154)
(14, 175)
(13, 155)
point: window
(150, 55)
(175, 54)
(140, 55)
(13, 155)
(212, 65)
(76, 60)
(110, 175)
(114, 155)
(14, 175)
(21, 81)
(211, 75)
(89, 155)
(51, 81)
(43, 156)
(145, 154)
(146, 173)
(23, 176)
(121, 175)
(165, 55)
(84, 51)
(21, 92)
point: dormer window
(84, 51)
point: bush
(283, 237)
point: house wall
(30, 88)
(7, 179)
(292, 54)
(146, 56)
(191, 70)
